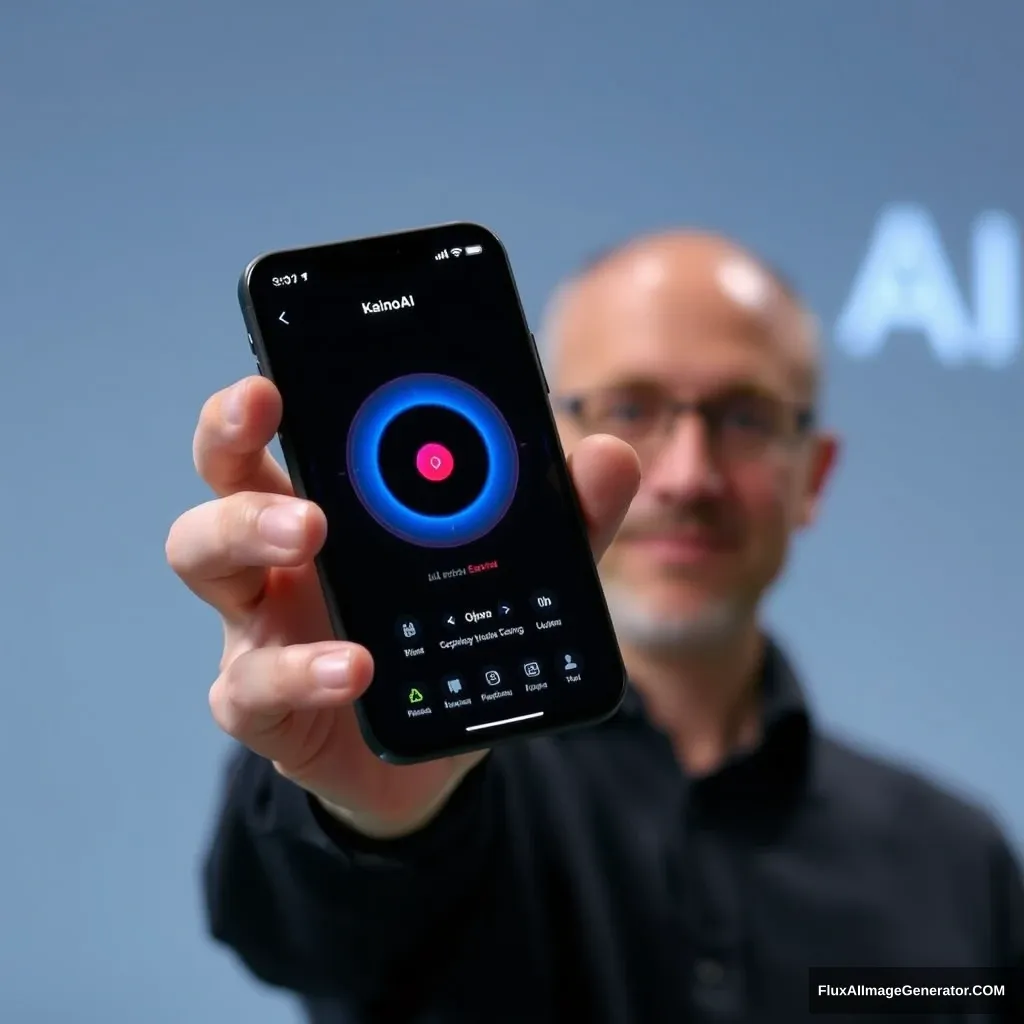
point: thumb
(606, 474)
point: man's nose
(684, 467)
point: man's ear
(823, 459)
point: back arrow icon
(281, 317)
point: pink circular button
(435, 462)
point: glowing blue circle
(364, 438)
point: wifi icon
(456, 252)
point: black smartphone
(416, 415)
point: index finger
(230, 445)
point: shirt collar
(753, 789)
(782, 695)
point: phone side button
(252, 347)
(540, 365)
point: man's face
(698, 360)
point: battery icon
(473, 250)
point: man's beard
(718, 622)
(641, 627)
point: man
(687, 860)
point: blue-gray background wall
(147, 152)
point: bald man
(687, 348)
(689, 859)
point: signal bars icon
(470, 250)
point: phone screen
(416, 416)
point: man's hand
(286, 687)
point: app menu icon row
(496, 682)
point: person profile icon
(570, 665)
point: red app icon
(434, 462)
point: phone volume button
(252, 347)
(540, 365)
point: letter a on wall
(907, 284)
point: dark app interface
(416, 414)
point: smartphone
(416, 415)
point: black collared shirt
(583, 877)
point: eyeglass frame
(806, 417)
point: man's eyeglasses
(739, 426)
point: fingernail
(283, 525)
(233, 406)
(332, 670)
